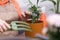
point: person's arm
(18, 9)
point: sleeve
(17, 7)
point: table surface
(17, 38)
(12, 35)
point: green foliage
(30, 2)
(56, 4)
(37, 2)
(57, 10)
(54, 35)
(53, 2)
(35, 13)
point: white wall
(24, 5)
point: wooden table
(17, 38)
(12, 35)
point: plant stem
(57, 11)
(37, 2)
(58, 30)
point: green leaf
(37, 2)
(30, 2)
(43, 0)
(53, 2)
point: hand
(25, 13)
(3, 26)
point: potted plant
(35, 23)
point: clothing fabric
(8, 12)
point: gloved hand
(3, 26)
(26, 15)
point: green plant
(54, 34)
(35, 12)
(56, 4)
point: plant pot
(36, 29)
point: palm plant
(57, 11)
(56, 4)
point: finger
(26, 12)
(4, 27)
(23, 14)
(1, 30)
(7, 25)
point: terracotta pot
(36, 28)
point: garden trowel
(20, 25)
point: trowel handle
(20, 25)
